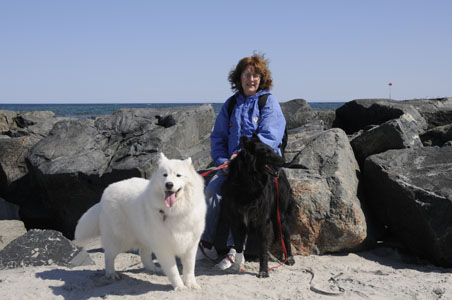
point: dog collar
(270, 170)
(163, 215)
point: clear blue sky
(105, 51)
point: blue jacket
(269, 124)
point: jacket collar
(241, 98)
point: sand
(382, 273)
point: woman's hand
(226, 169)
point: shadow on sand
(86, 284)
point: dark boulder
(410, 192)
(359, 114)
(437, 136)
(25, 129)
(8, 211)
(42, 248)
(79, 158)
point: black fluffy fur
(249, 199)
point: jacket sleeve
(271, 124)
(219, 136)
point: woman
(250, 79)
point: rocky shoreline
(373, 171)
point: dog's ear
(162, 157)
(188, 161)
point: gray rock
(42, 248)
(327, 116)
(316, 125)
(37, 123)
(323, 176)
(7, 120)
(12, 161)
(399, 133)
(80, 158)
(297, 112)
(10, 230)
(410, 191)
(437, 111)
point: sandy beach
(382, 273)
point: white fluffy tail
(88, 225)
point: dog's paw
(290, 261)
(193, 286)
(263, 274)
(112, 275)
(180, 287)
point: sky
(146, 51)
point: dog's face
(172, 177)
(262, 154)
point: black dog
(249, 203)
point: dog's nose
(169, 185)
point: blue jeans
(213, 199)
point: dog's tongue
(170, 198)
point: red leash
(215, 169)
(280, 226)
(220, 166)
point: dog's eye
(165, 175)
(178, 175)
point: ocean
(94, 110)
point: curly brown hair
(260, 64)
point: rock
(7, 120)
(316, 125)
(410, 192)
(359, 114)
(80, 158)
(37, 123)
(437, 136)
(327, 116)
(399, 133)
(323, 176)
(12, 161)
(297, 112)
(8, 211)
(26, 129)
(42, 248)
(10, 230)
(437, 111)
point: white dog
(164, 215)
